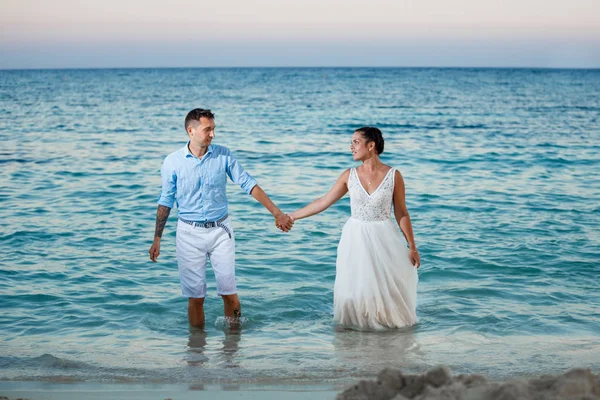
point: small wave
(396, 107)
(563, 108)
(44, 361)
(469, 126)
(231, 323)
(125, 130)
(48, 360)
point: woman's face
(359, 147)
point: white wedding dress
(375, 283)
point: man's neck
(197, 151)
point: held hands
(415, 258)
(284, 222)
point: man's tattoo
(237, 314)
(162, 215)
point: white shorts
(197, 244)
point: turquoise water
(502, 171)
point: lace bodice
(374, 207)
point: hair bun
(373, 134)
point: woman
(376, 275)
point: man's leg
(191, 261)
(196, 312)
(231, 305)
(222, 259)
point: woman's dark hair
(372, 134)
(196, 114)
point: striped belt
(212, 224)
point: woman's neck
(372, 164)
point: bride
(376, 275)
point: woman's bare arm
(403, 218)
(339, 189)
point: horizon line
(299, 67)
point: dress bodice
(376, 206)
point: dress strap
(352, 173)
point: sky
(237, 33)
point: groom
(195, 177)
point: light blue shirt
(198, 185)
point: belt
(211, 224)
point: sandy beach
(98, 391)
(436, 384)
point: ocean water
(502, 172)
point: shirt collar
(188, 153)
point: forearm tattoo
(162, 215)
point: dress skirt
(375, 284)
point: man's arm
(162, 215)
(282, 221)
(249, 185)
(166, 200)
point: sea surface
(502, 173)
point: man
(195, 176)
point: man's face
(202, 132)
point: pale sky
(184, 33)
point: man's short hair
(196, 114)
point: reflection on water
(398, 348)
(231, 345)
(196, 347)
(222, 352)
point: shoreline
(435, 384)
(13, 390)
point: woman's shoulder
(396, 171)
(398, 179)
(346, 172)
(388, 168)
(393, 171)
(344, 176)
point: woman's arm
(403, 219)
(339, 189)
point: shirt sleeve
(237, 174)
(169, 184)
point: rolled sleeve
(237, 174)
(169, 185)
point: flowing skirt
(375, 283)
